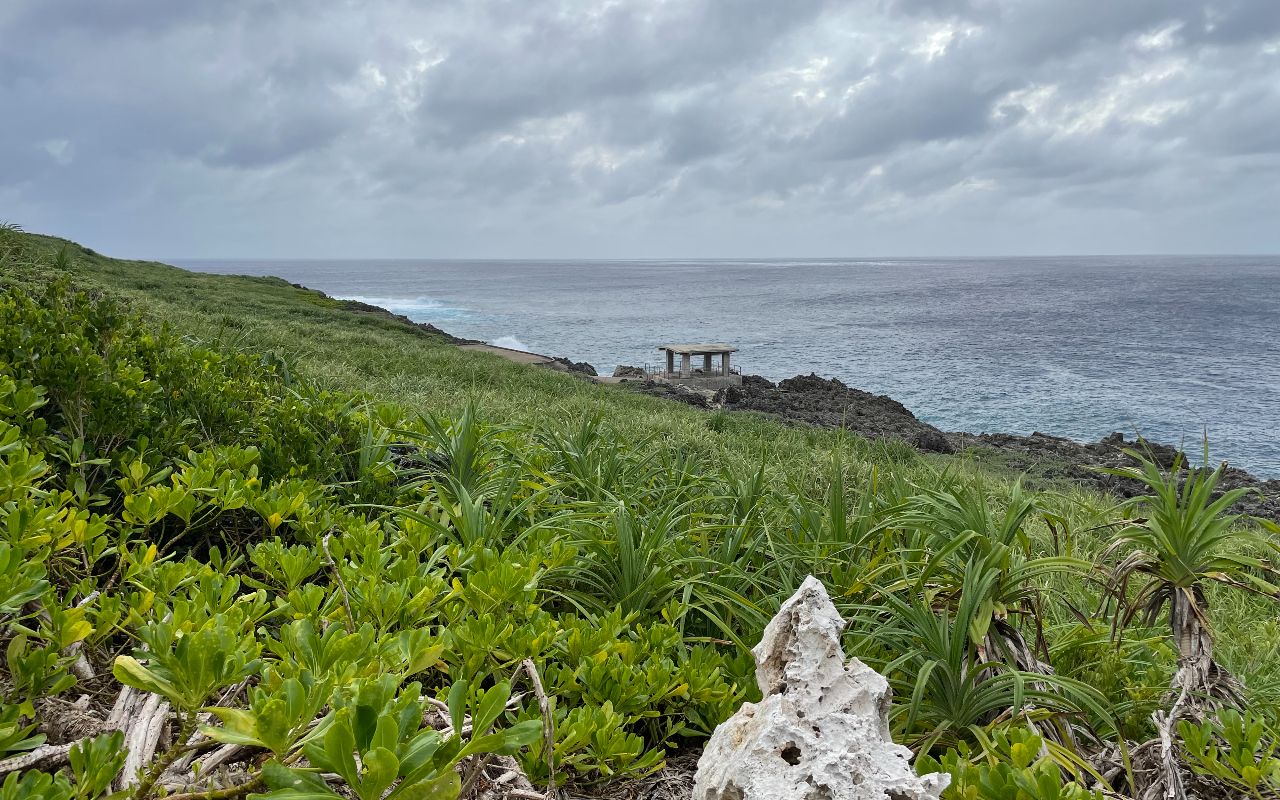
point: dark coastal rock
(1046, 458)
(576, 367)
(829, 403)
(825, 402)
(677, 392)
(630, 373)
(757, 383)
(730, 396)
(932, 441)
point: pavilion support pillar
(724, 364)
(685, 370)
(671, 363)
(706, 363)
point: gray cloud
(631, 128)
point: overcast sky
(619, 128)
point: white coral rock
(822, 730)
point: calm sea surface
(1079, 347)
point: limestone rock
(821, 732)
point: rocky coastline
(1044, 459)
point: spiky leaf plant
(952, 690)
(1187, 538)
(971, 543)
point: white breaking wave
(510, 342)
(418, 309)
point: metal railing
(694, 372)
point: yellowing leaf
(128, 671)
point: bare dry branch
(47, 757)
(548, 724)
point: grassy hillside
(301, 468)
(351, 351)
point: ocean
(1171, 347)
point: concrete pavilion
(706, 375)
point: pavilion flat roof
(701, 348)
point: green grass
(352, 351)
(706, 520)
(381, 357)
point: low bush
(258, 554)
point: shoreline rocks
(1044, 459)
(378, 311)
(829, 403)
(562, 364)
(1055, 458)
(813, 400)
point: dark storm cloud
(543, 63)
(631, 127)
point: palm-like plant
(1187, 538)
(628, 562)
(967, 538)
(954, 692)
(11, 240)
(464, 452)
(593, 465)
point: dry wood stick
(342, 585)
(548, 724)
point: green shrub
(1015, 765)
(214, 522)
(1236, 749)
(200, 519)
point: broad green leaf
(130, 672)
(293, 784)
(457, 705)
(380, 769)
(442, 787)
(490, 707)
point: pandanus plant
(1187, 539)
(966, 535)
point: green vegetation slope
(287, 520)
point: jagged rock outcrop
(630, 373)
(1043, 458)
(700, 398)
(561, 364)
(821, 732)
(824, 402)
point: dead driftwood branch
(142, 717)
(342, 585)
(46, 757)
(183, 764)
